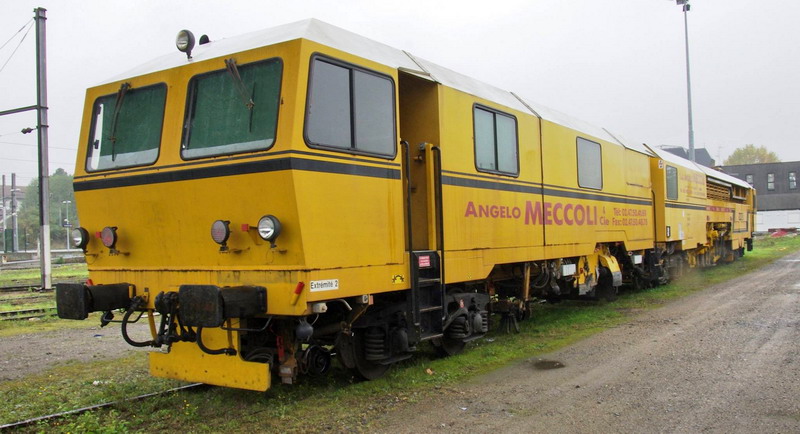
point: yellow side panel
(621, 211)
(683, 219)
(350, 220)
(486, 210)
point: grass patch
(33, 276)
(337, 402)
(79, 385)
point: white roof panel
(311, 29)
(680, 161)
(674, 159)
(340, 39)
(724, 177)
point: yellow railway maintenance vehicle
(705, 216)
(302, 191)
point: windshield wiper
(239, 84)
(123, 89)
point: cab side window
(672, 183)
(350, 108)
(590, 164)
(495, 141)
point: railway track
(19, 288)
(9, 315)
(22, 296)
(53, 416)
(26, 299)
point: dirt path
(27, 354)
(726, 359)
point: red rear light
(220, 231)
(109, 236)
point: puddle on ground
(548, 364)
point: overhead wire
(34, 145)
(29, 26)
(17, 33)
(17, 47)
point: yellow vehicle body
(701, 212)
(375, 252)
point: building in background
(778, 195)
(701, 155)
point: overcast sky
(618, 64)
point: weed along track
(76, 412)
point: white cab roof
(335, 37)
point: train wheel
(366, 369)
(447, 346)
(526, 311)
(640, 282)
(605, 288)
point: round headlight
(109, 236)
(220, 231)
(184, 41)
(269, 227)
(80, 238)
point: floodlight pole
(44, 169)
(686, 7)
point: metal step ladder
(427, 294)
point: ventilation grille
(718, 192)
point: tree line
(62, 205)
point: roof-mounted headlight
(220, 232)
(80, 238)
(185, 42)
(269, 227)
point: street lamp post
(686, 7)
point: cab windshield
(126, 128)
(232, 110)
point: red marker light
(109, 236)
(245, 227)
(297, 290)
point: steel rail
(11, 315)
(26, 298)
(34, 420)
(31, 288)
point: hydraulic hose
(228, 351)
(131, 342)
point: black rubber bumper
(76, 300)
(210, 305)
